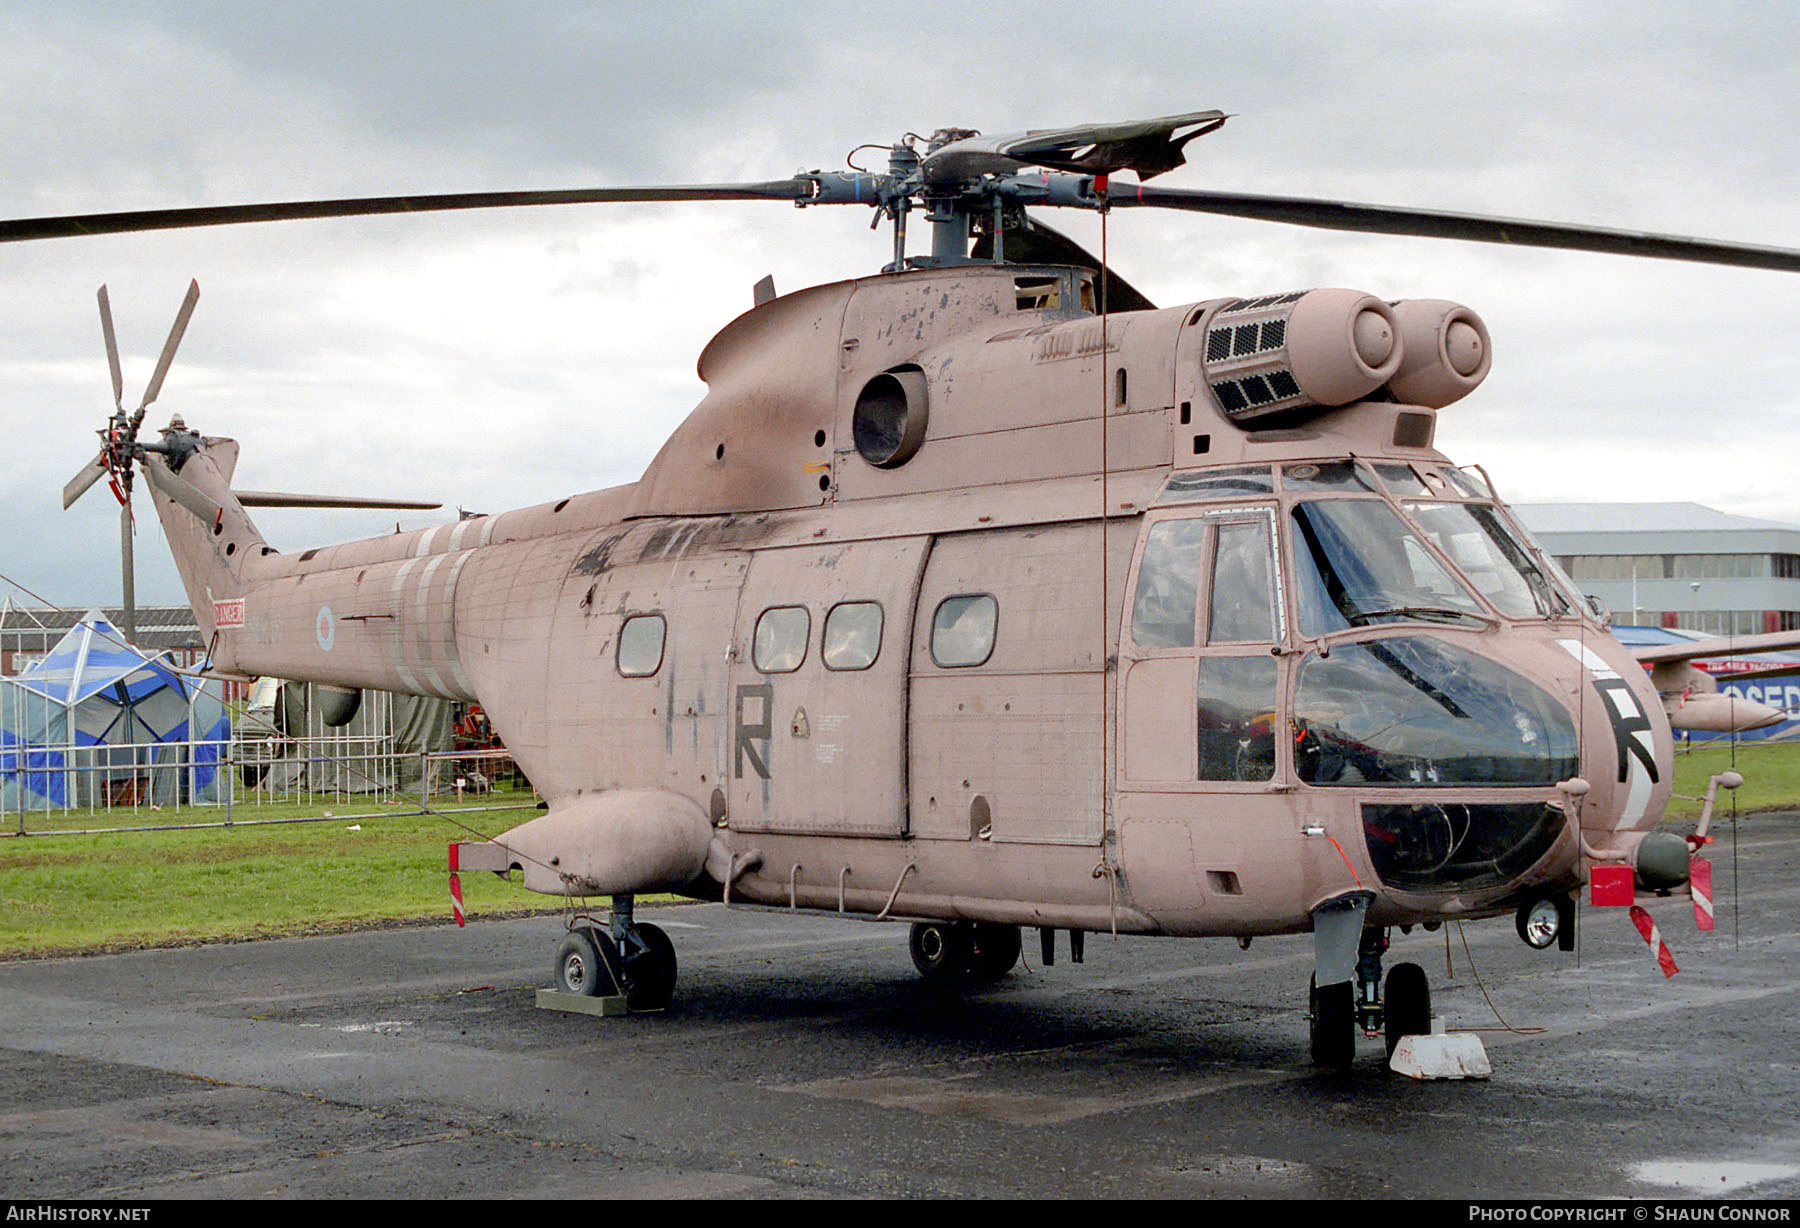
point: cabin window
(641, 645)
(852, 637)
(780, 642)
(1162, 612)
(1237, 718)
(962, 630)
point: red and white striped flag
(1700, 884)
(1653, 936)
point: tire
(1406, 1005)
(993, 950)
(650, 973)
(584, 962)
(940, 950)
(1333, 1024)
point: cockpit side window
(1162, 612)
(1242, 605)
(1236, 728)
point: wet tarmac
(803, 1058)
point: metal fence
(206, 783)
(275, 758)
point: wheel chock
(581, 1004)
(1441, 1055)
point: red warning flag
(1700, 883)
(1645, 926)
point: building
(28, 632)
(1678, 565)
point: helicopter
(982, 594)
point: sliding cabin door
(818, 689)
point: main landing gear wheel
(584, 963)
(1406, 1004)
(1333, 1024)
(650, 971)
(940, 949)
(994, 950)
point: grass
(1771, 772)
(257, 878)
(372, 863)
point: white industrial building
(1677, 565)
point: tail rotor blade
(78, 485)
(112, 356)
(170, 346)
(178, 488)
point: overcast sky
(500, 359)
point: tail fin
(214, 542)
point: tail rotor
(120, 451)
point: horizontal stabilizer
(276, 498)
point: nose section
(1458, 847)
(1626, 748)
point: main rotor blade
(168, 351)
(78, 485)
(16, 230)
(1437, 224)
(112, 354)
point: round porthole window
(889, 423)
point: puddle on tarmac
(1710, 1176)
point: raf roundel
(325, 628)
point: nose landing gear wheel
(1333, 1024)
(1406, 1004)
